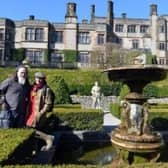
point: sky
(54, 10)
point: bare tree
(106, 56)
(98, 57)
(112, 55)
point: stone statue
(96, 94)
(146, 128)
(125, 116)
(136, 117)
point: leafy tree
(112, 55)
(106, 56)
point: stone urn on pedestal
(133, 138)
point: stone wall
(158, 100)
(86, 101)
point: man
(40, 102)
(15, 96)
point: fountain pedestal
(133, 138)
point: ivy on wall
(70, 55)
(46, 55)
(18, 54)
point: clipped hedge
(144, 165)
(151, 90)
(159, 121)
(12, 142)
(74, 118)
(106, 89)
(57, 166)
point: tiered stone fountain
(134, 139)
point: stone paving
(110, 122)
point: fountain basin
(137, 76)
(137, 73)
(134, 137)
(133, 143)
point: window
(56, 57)
(83, 58)
(1, 56)
(144, 28)
(131, 29)
(1, 53)
(1, 34)
(57, 37)
(83, 38)
(135, 44)
(35, 57)
(33, 34)
(100, 39)
(39, 34)
(29, 34)
(161, 61)
(161, 46)
(119, 27)
(162, 29)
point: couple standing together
(23, 104)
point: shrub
(163, 91)
(74, 118)
(61, 91)
(18, 54)
(151, 91)
(159, 121)
(13, 142)
(124, 91)
(115, 109)
(106, 89)
(70, 55)
(111, 89)
(84, 89)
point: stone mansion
(41, 41)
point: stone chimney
(92, 11)
(110, 13)
(153, 9)
(31, 17)
(71, 10)
(123, 15)
(154, 28)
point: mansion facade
(41, 41)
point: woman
(40, 103)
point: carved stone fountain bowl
(145, 143)
(137, 73)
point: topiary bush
(115, 109)
(124, 91)
(61, 91)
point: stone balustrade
(86, 101)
